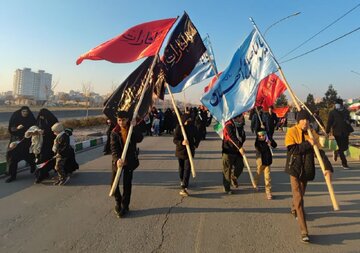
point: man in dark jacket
(339, 123)
(233, 165)
(270, 121)
(131, 162)
(193, 140)
(300, 165)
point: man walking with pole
(131, 162)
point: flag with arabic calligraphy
(127, 95)
(183, 51)
(235, 90)
(270, 88)
(205, 68)
(137, 42)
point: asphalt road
(79, 217)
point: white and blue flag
(236, 88)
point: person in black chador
(45, 120)
(131, 162)
(193, 140)
(110, 127)
(18, 149)
(201, 120)
(339, 123)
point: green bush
(80, 123)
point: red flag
(281, 111)
(212, 82)
(270, 88)
(135, 43)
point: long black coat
(117, 146)
(193, 138)
(339, 122)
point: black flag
(127, 95)
(183, 51)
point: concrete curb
(79, 147)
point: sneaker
(345, 167)
(64, 181)
(117, 210)
(305, 239)
(293, 213)
(335, 155)
(184, 193)
(227, 191)
(269, 196)
(234, 182)
(57, 182)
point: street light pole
(292, 15)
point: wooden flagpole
(182, 131)
(307, 108)
(316, 149)
(242, 151)
(136, 110)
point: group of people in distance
(43, 143)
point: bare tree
(87, 89)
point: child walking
(62, 150)
(264, 160)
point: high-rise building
(32, 85)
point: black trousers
(184, 172)
(343, 143)
(124, 199)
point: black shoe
(10, 179)
(37, 181)
(123, 212)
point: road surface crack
(167, 215)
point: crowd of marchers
(46, 145)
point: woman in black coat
(18, 150)
(193, 140)
(45, 120)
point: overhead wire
(320, 31)
(317, 48)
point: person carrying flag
(117, 141)
(232, 156)
(300, 165)
(264, 160)
(193, 140)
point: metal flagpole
(316, 149)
